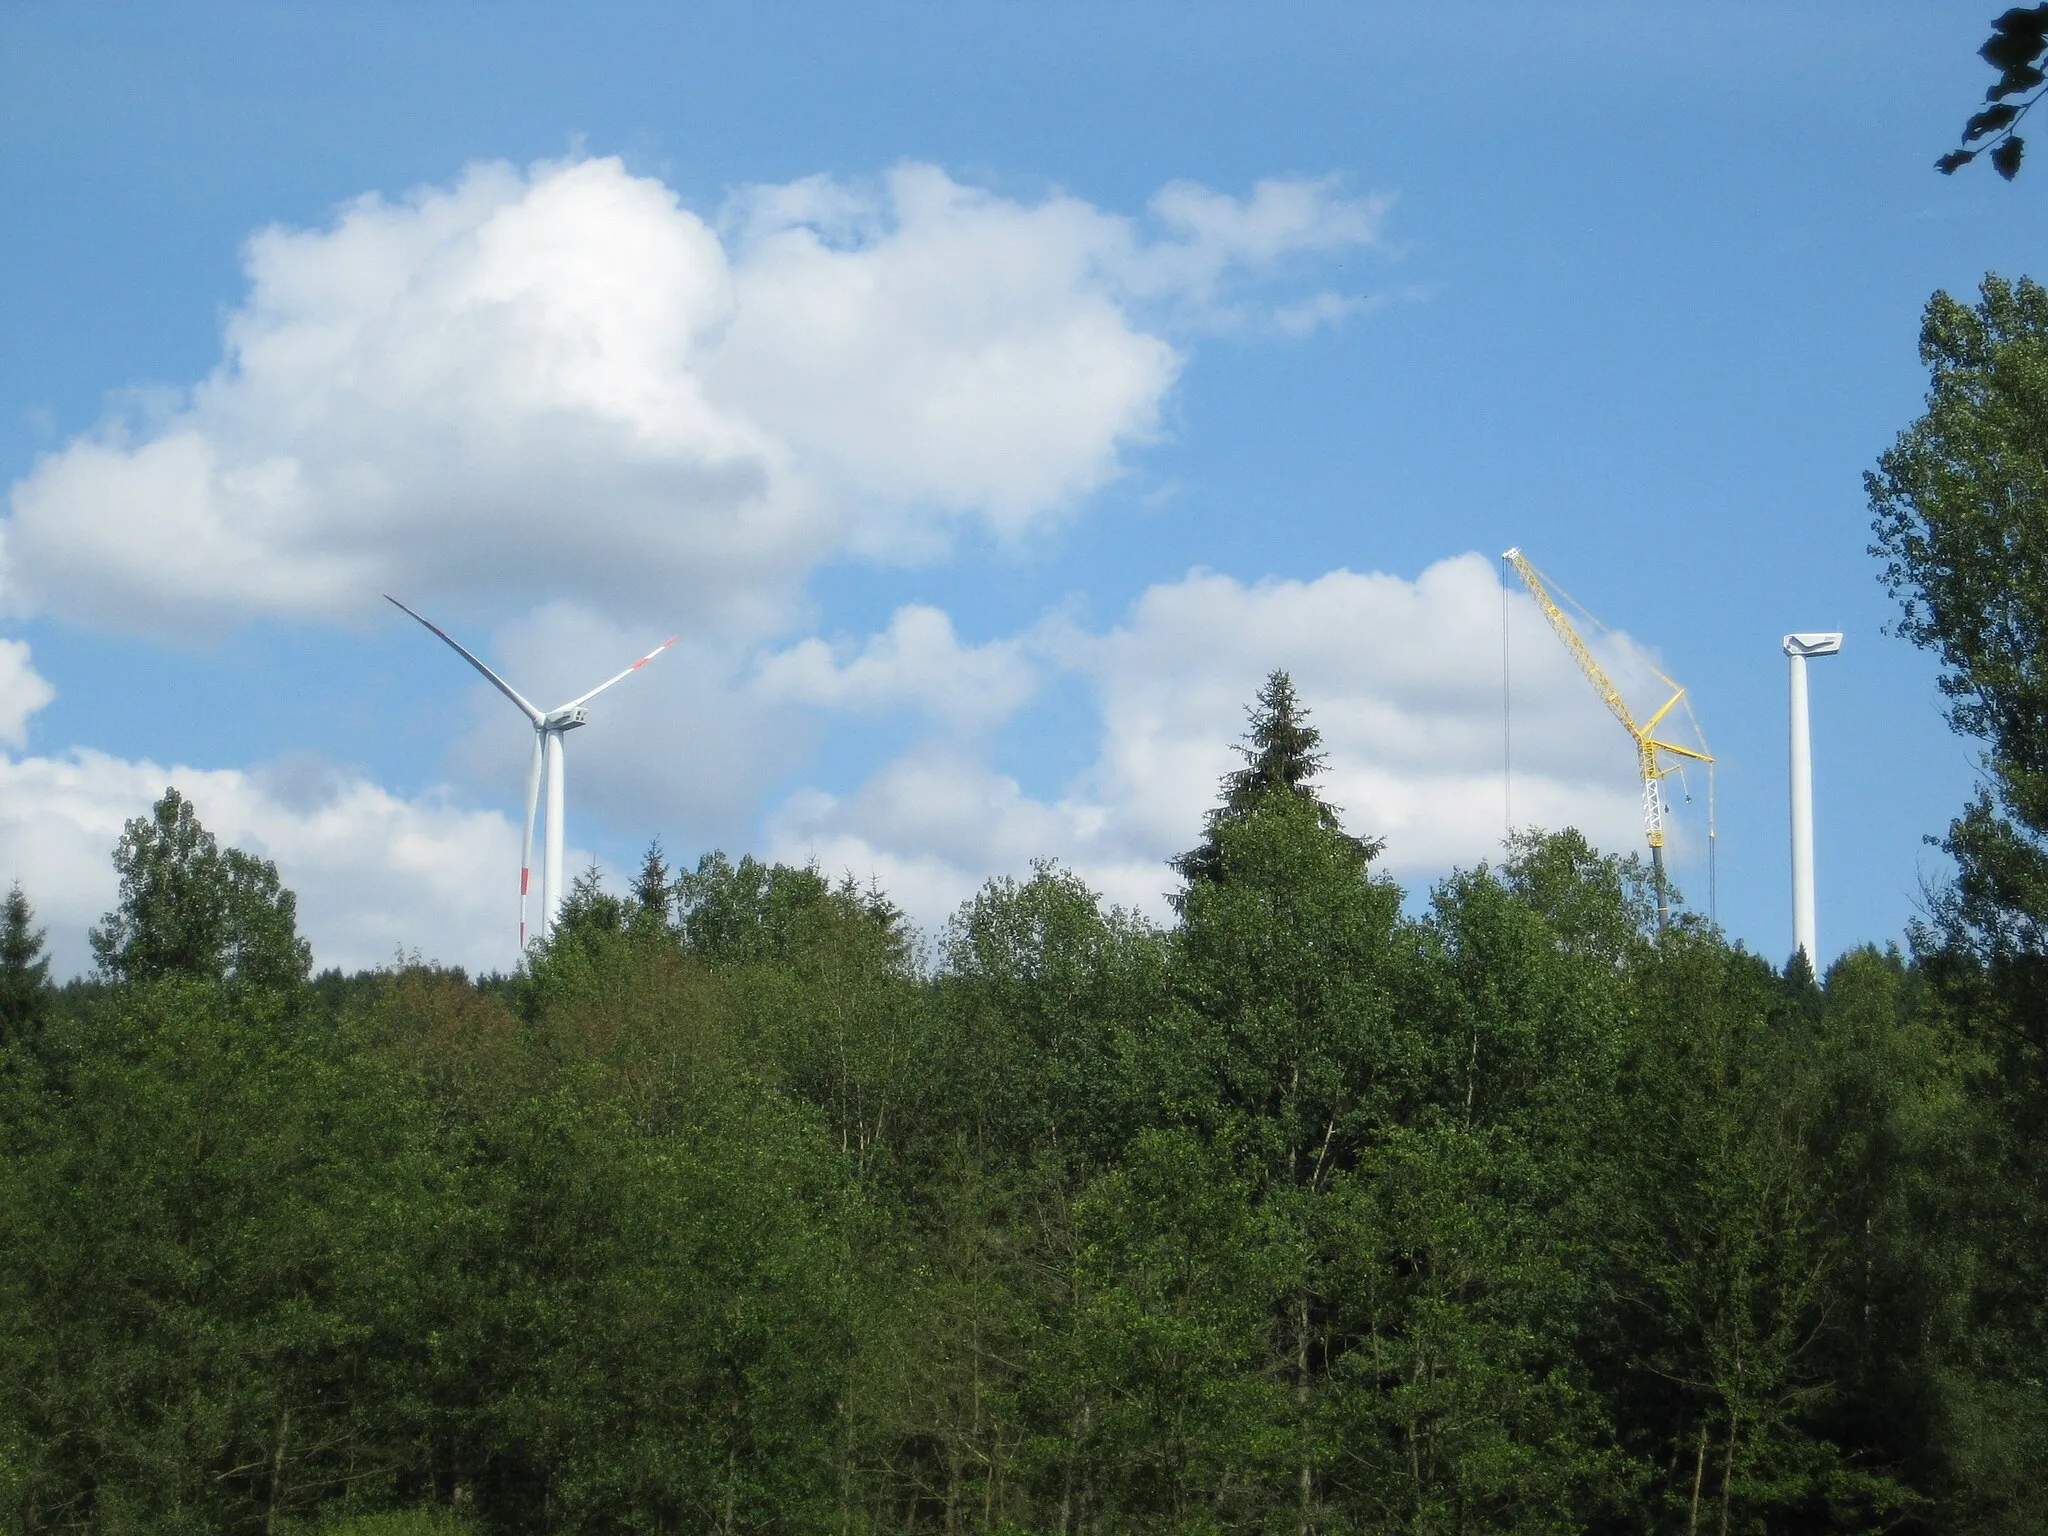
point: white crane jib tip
(1813, 643)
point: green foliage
(1280, 751)
(213, 1229)
(735, 1211)
(187, 909)
(1961, 505)
(750, 911)
(429, 1521)
(24, 974)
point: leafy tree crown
(189, 908)
(1961, 520)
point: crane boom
(1573, 641)
(1649, 765)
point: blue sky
(1021, 431)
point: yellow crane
(1651, 749)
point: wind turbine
(549, 726)
(1799, 647)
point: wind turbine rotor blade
(600, 688)
(463, 651)
(526, 843)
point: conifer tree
(1281, 753)
(654, 891)
(590, 909)
(24, 971)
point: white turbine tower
(1798, 648)
(549, 726)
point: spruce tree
(1282, 754)
(654, 892)
(24, 971)
(589, 910)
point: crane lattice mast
(1650, 762)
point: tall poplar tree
(1961, 504)
(1961, 508)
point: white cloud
(374, 873)
(23, 691)
(1320, 310)
(962, 352)
(1402, 677)
(1220, 238)
(937, 822)
(684, 746)
(1281, 217)
(560, 394)
(563, 385)
(917, 661)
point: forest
(743, 1206)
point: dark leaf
(2022, 19)
(1954, 160)
(2014, 81)
(2017, 38)
(2010, 52)
(1990, 120)
(2006, 158)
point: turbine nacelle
(565, 719)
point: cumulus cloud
(374, 873)
(23, 691)
(561, 395)
(1222, 238)
(686, 744)
(929, 828)
(947, 350)
(917, 661)
(564, 384)
(1403, 678)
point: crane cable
(1713, 830)
(1681, 697)
(1507, 738)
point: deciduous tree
(188, 908)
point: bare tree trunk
(284, 1428)
(1699, 1472)
(1728, 1474)
(732, 1472)
(1301, 1408)
(1415, 1449)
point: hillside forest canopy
(741, 1207)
